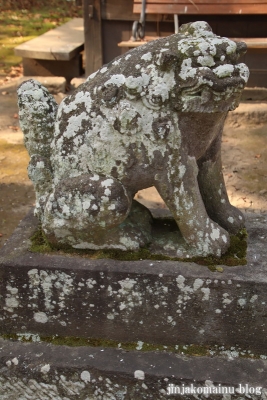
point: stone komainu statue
(153, 116)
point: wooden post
(92, 36)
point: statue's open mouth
(210, 78)
(222, 76)
(209, 84)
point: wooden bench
(55, 53)
(256, 56)
(201, 7)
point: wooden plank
(253, 43)
(256, 59)
(185, 8)
(118, 10)
(62, 43)
(93, 36)
(257, 78)
(197, 2)
(121, 10)
(137, 43)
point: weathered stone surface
(158, 302)
(40, 371)
(151, 117)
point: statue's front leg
(180, 191)
(214, 193)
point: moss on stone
(193, 350)
(39, 243)
(236, 254)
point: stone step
(43, 370)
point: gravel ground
(243, 150)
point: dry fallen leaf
(258, 156)
(15, 116)
(14, 128)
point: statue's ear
(241, 48)
(166, 60)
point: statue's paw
(215, 244)
(213, 240)
(130, 238)
(234, 220)
(135, 232)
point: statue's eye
(110, 94)
(153, 101)
(199, 93)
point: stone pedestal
(176, 322)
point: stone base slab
(147, 303)
(156, 302)
(43, 371)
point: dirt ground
(244, 161)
